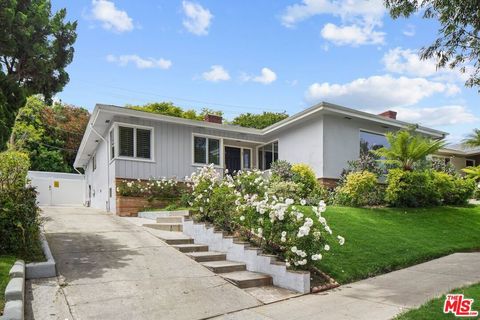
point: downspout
(108, 169)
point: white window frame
(473, 160)
(242, 167)
(116, 126)
(262, 145)
(207, 136)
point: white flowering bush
(245, 205)
(154, 188)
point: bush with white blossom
(153, 188)
(244, 204)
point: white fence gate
(58, 189)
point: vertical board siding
(172, 150)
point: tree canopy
(259, 121)
(458, 42)
(49, 134)
(473, 139)
(35, 48)
(169, 109)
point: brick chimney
(213, 118)
(389, 114)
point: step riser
(164, 227)
(227, 269)
(169, 220)
(179, 241)
(192, 249)
(210, 258)
(243, 284)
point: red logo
(459, 306)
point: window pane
(246, 158)
(214, 151)
(371, 141)
(143, 143)
(199, 150)
(112, 144)
(125, 136)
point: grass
(433, 309)
(384, 239)
(6, 262)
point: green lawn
(386, 239)
(6, 262)
(433, 309)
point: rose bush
(245, 204)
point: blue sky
(254, 56)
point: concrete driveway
(111, 269)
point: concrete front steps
(168, 228)
(234, 272)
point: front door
(233, 159)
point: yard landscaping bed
(385, 239)
(433, 309)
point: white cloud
(359, 18)
(217, 73)
(437, 116)
(351, 35)
(409, 31)
(141, 63)
(266, 76)
(407, 62)
(111, 17)
(197, 19)
(379, 91)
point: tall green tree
(458, 40)
(259, 121)
(407, 148)
(49, 134)
(170, 109)
(35, 48)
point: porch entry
(233, 159)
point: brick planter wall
(328, 182)
(130, 206)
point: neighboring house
(459, 155)
(121, 143)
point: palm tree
(472, 172)
(473, 139)
(406, 148)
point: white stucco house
(121, 143)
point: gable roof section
(102, 113)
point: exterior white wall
(341, 142)
(56, 188)
(101, 179)
(303, 143)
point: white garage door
(58, 189)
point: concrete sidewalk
(112, 269)
(382, 297)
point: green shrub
(286, 189)
(359, 189)
(411, 189)
(453, 189)
(303, 174)
(282, 170)
(13, 170)
(318, 194)
(19, 222)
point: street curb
(47, 269)
(15, 293)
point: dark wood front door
(233, 159)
